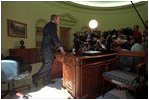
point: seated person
(137, 46)
(128, 45)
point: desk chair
(128, 79)
(10, 71)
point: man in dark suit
(50, 43)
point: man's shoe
(45, 83)
(52, 82)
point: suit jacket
(50, 41)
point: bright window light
(93, 24)
(51, 91)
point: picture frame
(16, 29)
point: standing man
(50, 43)
(136, 33)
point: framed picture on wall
(16, 29)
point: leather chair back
(9, 70)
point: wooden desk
(82, 75)
(57, 67)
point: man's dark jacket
(50, 41)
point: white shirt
(137, 47)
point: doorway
(64, 36)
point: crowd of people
(111, 40)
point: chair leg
(12, 91)
(4, 94)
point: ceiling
(104, 3)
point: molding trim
(68, 18)
(104, 8)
